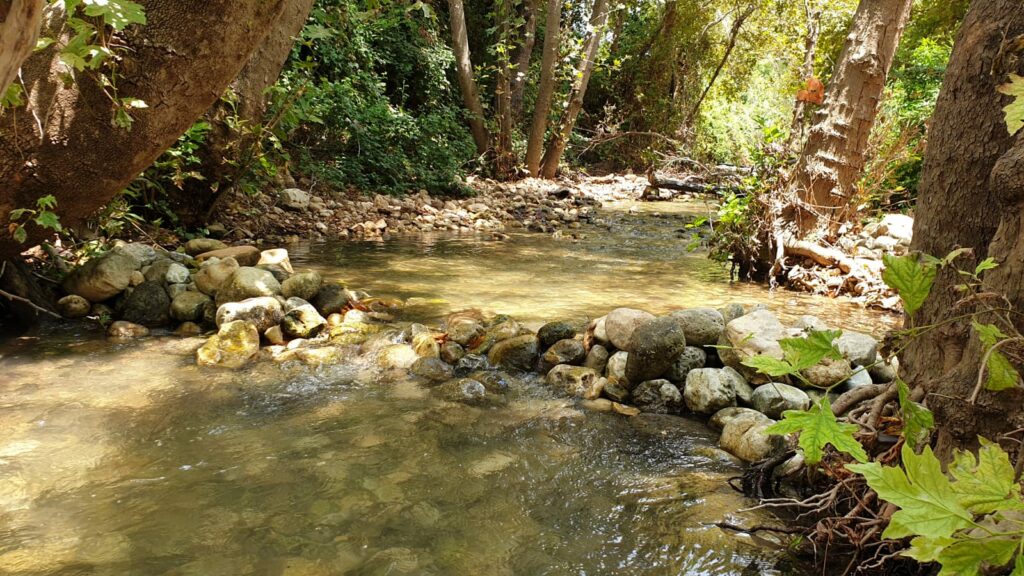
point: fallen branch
(16, 298)
(819, 254)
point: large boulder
(773, 398)
(143, 254)
(620, 323)
(719, 419)
(703, 326)
(264, 312)
(295, 199)
(554, 331)
(691, 358)
(73, 306)
(744, 436)
(244, 255)
(828, 373)
(231, 347)
(754, 334)
(305, 285)
(248, 282)
(616, 367)
(562, 352)
(215, 273)
(653, 346)
(575, 381)
(302, 321)
(147, 305)
(658, 396)
(190, 306)
(708, 390)
(597, 358)
(197, 246)
(519, 352)
(103, 277)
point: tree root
(859, 394)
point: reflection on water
(128, 459)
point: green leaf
(986, 264)
(802, 353)
(966, 557)
(20, 235)
(917, 420)
(928, 504)
(1018, 566)
(1014, 111)
(1001, 373)
(924, 549)
(769, 366)
(910, 278)
(18, 213)
(818, 428)
(48, 219)
(118, 14)
(47, 202)
(986, 484)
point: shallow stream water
(126, 458)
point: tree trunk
(63, 143)
(734, 33)
(546, 88)
(560, 140)
(971, 196)
(796, 131)
(523, 57)
(227, 149)
(833, 156)
(504, 157)
(464, 69)
(19, 28)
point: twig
(984, 363)
(856, 396)
(13, 297)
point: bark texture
(545, 89)
(19, 28)
(504, 157)
(833, 157)
(523, 56)
(796, 131)
(464, 70)
(553, 155)
(63, 143)
(971, 196)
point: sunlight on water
(128, 459)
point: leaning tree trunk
(734, 33)
(504, 156)
(523, 56)
(19, 28)
(833, 156)
(553, 155)
(464, 70)
(230, 146)
(63, 143)
(971, 196)
(546, 88)
(796, 131)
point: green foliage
(1001, 373)
(964, 523)
(798, 354)
(918, 421)
(819, 428)
(911, 277)
(42, 215)
(1014, 110)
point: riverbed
(126, 458)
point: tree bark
(504, 157)
(545, 89)
(734, 33)
(833, 156)
(62, 143)
(796, 131)
(553, 155)
(971, 196)
(464, 70)
(19, 28)
(523, 57)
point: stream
(127, 458)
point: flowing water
(125, 458)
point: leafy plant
(42, 215)
(819, 428)
(798, 354)
(1014, 110)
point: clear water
(128, 459)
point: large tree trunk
(464, 69)
(19, 28)
(796, 131)
(504, 157)
(63, 143)
(833, 156)
(553, 155)
(546, 88)
(229, 147)
(971, 196)
(523, 56)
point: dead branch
(859, 394)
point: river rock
(885, 372)
(246, 256)
(263, 312)
(470, 363)
(859, 377)
(451, 352)
(808, 323)
(303, 285)
(744, 391)
(691, 358)
(519, 352)
(247, 282)
(719, 419)
(827, 373)
(397, 356)
(702, 326)
(176, 274)
(275, 335)
(124, 329)
(464, 390)
(495, 381)
(898, 226)
(426, 346)
(136, 279)
(432, 369)
(616, 367)
(73, 306)
(174, 290)
(142, 254)
(147, 305)
(620, 323)
(773, 398)
(657, 396)
(157, 271)
(189, 306)
(616, 390)
(562, 352)
(708, 390)
(187, 329)
(553, 332)
(234, 344)
(731, 312)
(653, 346)
(276, 258)
(744, 437)
(294, 199)
(303, 321)
(331, 298)
(575, 381)
(215, 273)
(496, 333)
(599, 330)
(197, 246)
(101, 278)
(858, 348)
(597, 358)
(752, 335)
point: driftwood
(688, 185)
